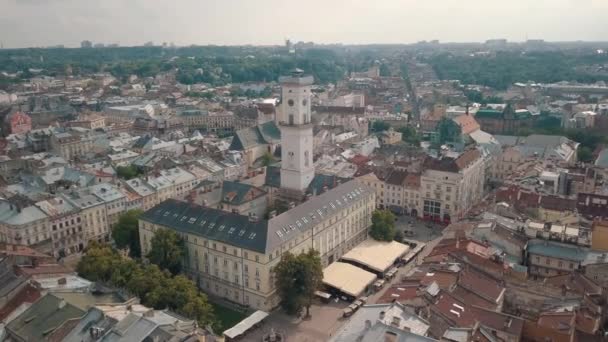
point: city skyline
(269, 22)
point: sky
(27, 23)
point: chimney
(253, 217)
(149, 313)
(396, 321)
(61, 304)
(381, 316)
(62, 281)
(272, 214)
(368, 324)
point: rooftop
(43, 318)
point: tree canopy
(297, 278)
(504, 68)
(383, 225)
(410, 135)
(126, 232)
(379, 126)
(167, 250)
(156, 288)
(128, 172)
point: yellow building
(232, 256)
(599, 236)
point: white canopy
(245, 324)
(377, 255)
(347, 278)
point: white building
(297, 169)
(449, 187)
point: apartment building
(93, 214)
(450, 186)
(147, 193)
(70, 145)
(66, 226)
(114, 200)
(549, 258)
(172, 183)
(22, 223)
(398, 191)
(232, 256)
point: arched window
(306, 163)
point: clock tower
(297, 169)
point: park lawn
(227, 317)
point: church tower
(297, 170)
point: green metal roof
(488, 113)
(557, 250)
(236, 193)
(233, 229)
(265, 133)
(273, 176)
(270, 131)
(42, 318)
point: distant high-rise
(86, 44)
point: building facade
(449, 187)
(232, 256)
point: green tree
(384, 70)
(126, 232)
(297, 277)
(585, 154)
(380, 126)
(383, 225)
(98, 263)
(123, 272)
(156, 288)
(410, 135)
(127, 172)
(167, 250)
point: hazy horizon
(34, 23)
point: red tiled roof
(557, 203)
(468, 157)
(20, 250)
(399, 293)
(445, 279)
(454, 310)
(359, 159)
(560, 321)
(481, 285)
(486, 265)
(467, 123)
(28, 294)
(587, 322)
(576, 282)
(499, 321)
(471, 298)
(43, 269)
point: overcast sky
(26, 23)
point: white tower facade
(297, 169)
